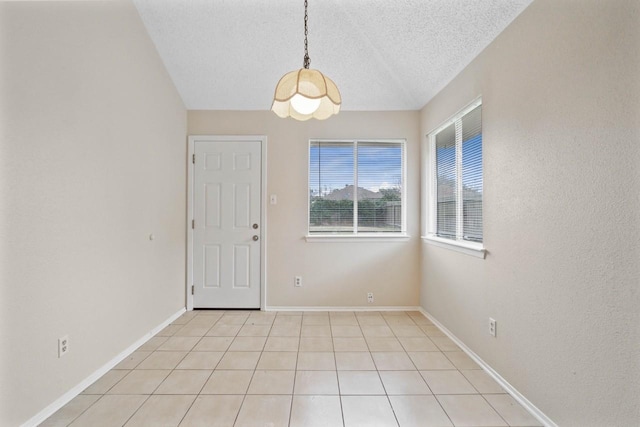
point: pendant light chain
(305, 93)
(306, 61)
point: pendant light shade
(306, 93)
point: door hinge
(193, 159)
(192, 290)
(193, 224)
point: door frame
(263, 209)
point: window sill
(356, 238)
(468, 248)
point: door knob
(255, 238)
(255, 226)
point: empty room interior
(323, 213)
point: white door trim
(263, 210)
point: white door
(227, 229)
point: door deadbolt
(255, 238)
(255, 226)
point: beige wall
(334, 274)
(561, 119)
(92, 161)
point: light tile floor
(251, 368)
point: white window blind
(356, 187)
(457, 177)
(472, 175)
(331, 178)
(447, 189)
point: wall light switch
(273, 199)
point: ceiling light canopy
(306, 93)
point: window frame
(360, 236)
(476, 249)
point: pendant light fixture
(306, 93)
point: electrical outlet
(370, 297)
(297, 281)
(492, 327)
(63, 346)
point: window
(356, 188)
(456, 178)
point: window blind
(379, 187)
(355, 187)
(447, 198)
(458, 177)
(331, 187)
(472, 175)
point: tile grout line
(458, 370)
(335, 361)
(235, 420)
(246, 321)
(170, 372)
(180, 361)
(435, 397)
(151, 394)
(492, 407)
(382, 382)
(136, 411)
(210, 375)
(295, 372)
(80, 414)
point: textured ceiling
(382, 54)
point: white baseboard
(357, 308)
(537, 413)
(68, 396)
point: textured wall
(334, 274)
(561, 119)
(92, 161)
